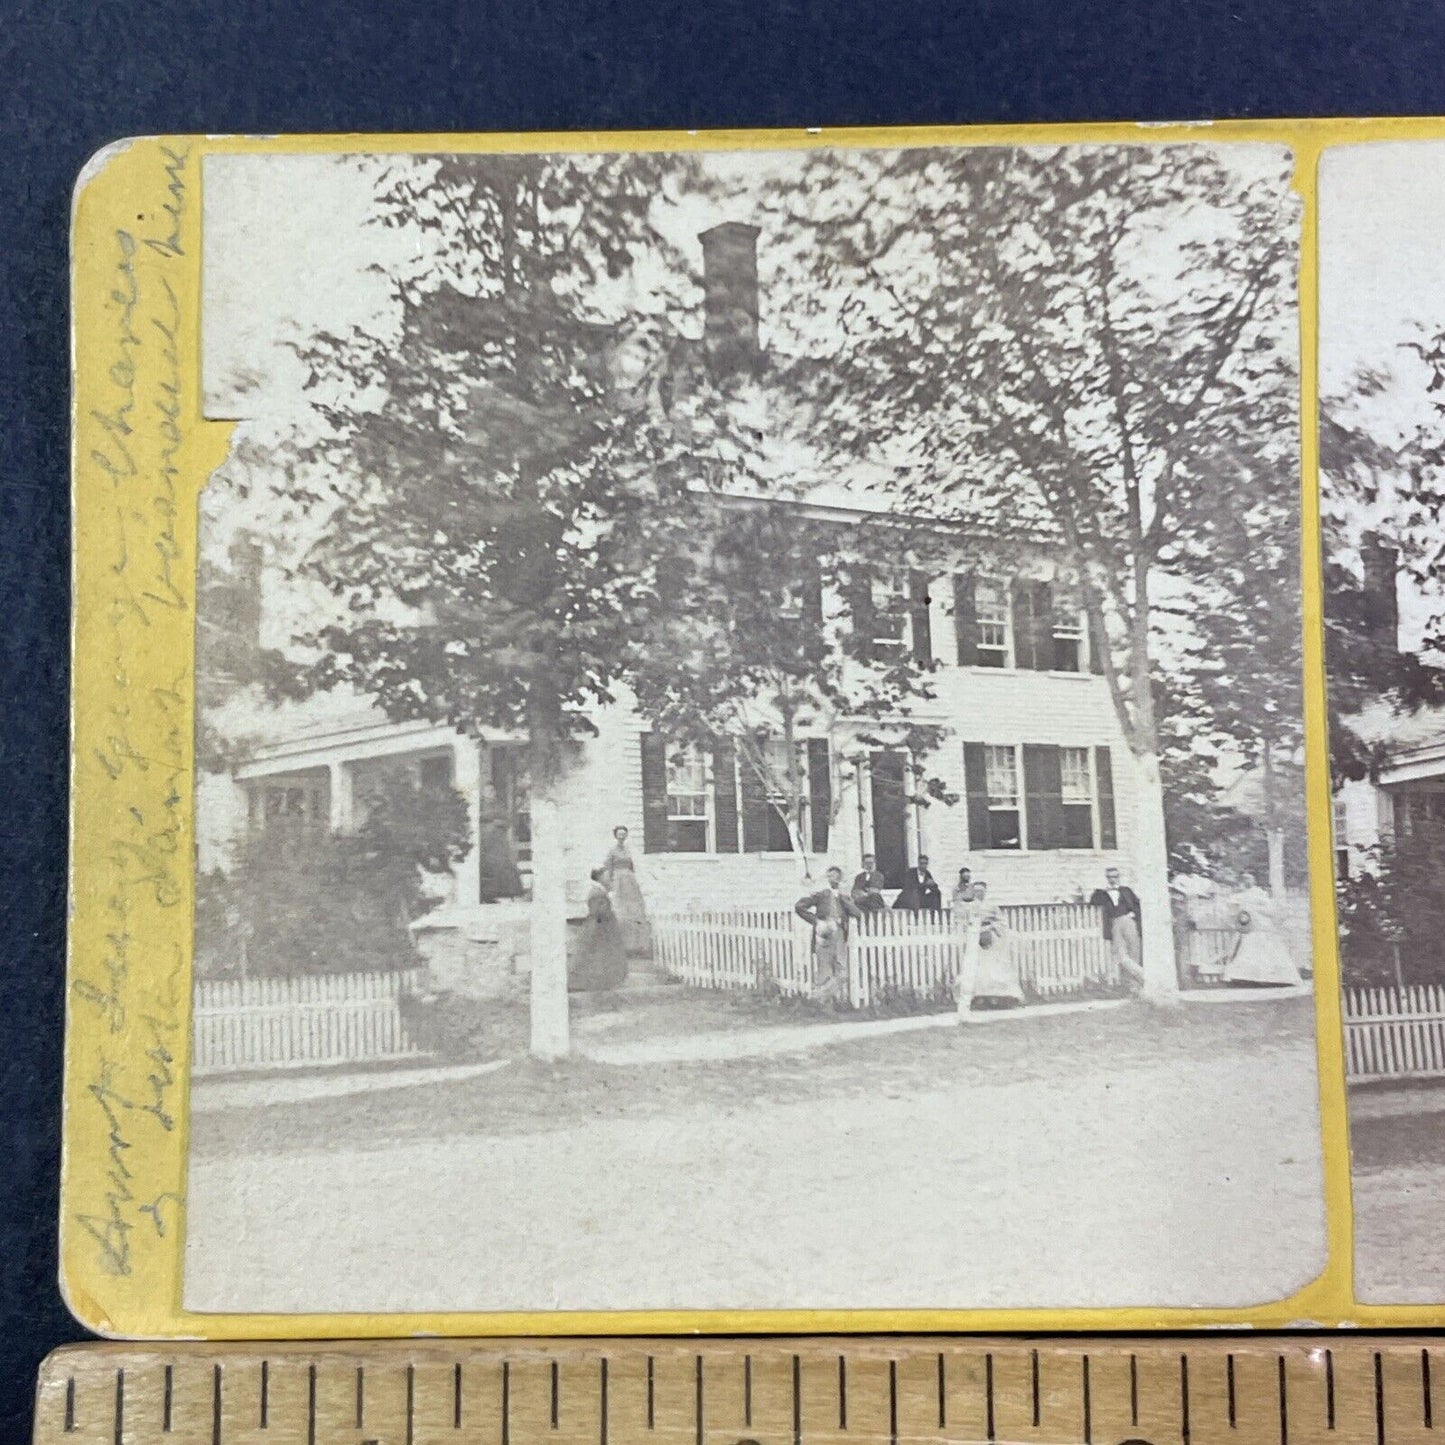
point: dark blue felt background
(75, 75)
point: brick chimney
(1382, 608)
(730, 297)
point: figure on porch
(831, 912)
(963, 889)
(920, 892)
(989, 977)
(619, 875)
(1121, 913)
(868, 886)
(1261, 957)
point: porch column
(467, 780)
(343, 800)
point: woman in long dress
(989, 978)
(598, 959)
(1262, 954)
(619, 876)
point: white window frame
(1015, 753)
(805, 820)
(693, 756)
(1068, 626)
(1005, 593)
(891, 598)
(1091, 798)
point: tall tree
(491, 477)
(1095, 343)
(795, 645)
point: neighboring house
(1033, 751)
(1407, 787)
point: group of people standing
(615, 928)
(989, 974)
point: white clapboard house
(1408, 784)
(1046, 790)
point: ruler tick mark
(988, 1393)
(1133, 1390)
(1330, 1389)
(842, 1393)
(265, 1393)
(166, 1388)
(457, 1396)
(797, 1400)
(1229, 1385)
(1283, 1403)
(697, 1402)
(942, 1393)
(360, 1396)
(311, 1405)
(1427, 1406)
(1034, 1378)
(602, 1400)
(69, 1404)
(216, 1404)
(892, 1402)
(506, 1402)
(650, 1417)
(119, 1406)
(1184, 1398)
(410, 1404)
(555, 1373)
(1379, 1400)
(747, 1391)
(1088, 1406)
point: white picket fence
(277, 1023)
(1060, 950)
(1393, 1033)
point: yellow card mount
(818, 1391)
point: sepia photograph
(749, 729)
(1382, 464)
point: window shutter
(1097, 643)
(654, 794)
(820, 792)
(1043, 618)
(725, 797)
(975, 781)
(922, 623)
(813, 597)
(965, 620)
(1043, 796)
(755, 808)
(1104, 781)
(860, 606)
(1024, 626)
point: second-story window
(1068, 632)
(890, 616)
(991, 604)
(687, 801)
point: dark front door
(890, 815)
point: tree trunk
(549, 1008)
(1151, 861)
(1274, 840)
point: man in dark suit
(1122, 917)
(868, 886)
(920, 892)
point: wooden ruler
(1282, 1390)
